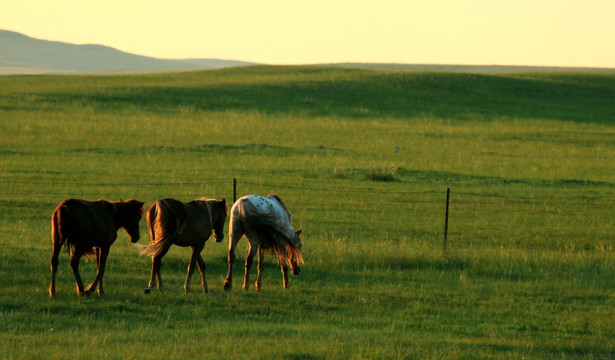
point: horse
(171, 222)
(90, 228)
(265, 222)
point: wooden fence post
(448, 196)
(234, 190)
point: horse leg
(235, 233)
(159, 277)
(202, 270)
(249, 260)
(54, 267)
(285, 275)
(104, 253)
(156, 265)
(74, 265)
(90, 287)
(228, 282)
(261, 266)
(101, 261)
(196, 252)
(152, 279)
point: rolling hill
(20, 54)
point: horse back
(271, 207)
(170, 218)
(258, 214)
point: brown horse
(91, 228)
(184, 224)
(266, 224)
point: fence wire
(474, 217)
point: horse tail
(274, 238)
(151, 218)
(56, 237)
(161, 237)
(62, 228)
(153, 249)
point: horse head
(218, 216)
(132, 213)
(296, 259)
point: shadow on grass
(359, 94)
(443, 263)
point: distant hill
(20, 54)
(475, 69)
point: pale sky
(472, 32)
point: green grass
(529, 267)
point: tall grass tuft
(339, 171)
(384, 173)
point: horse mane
(223, 201)
(134, 204)
(125, 208)
(279, 199)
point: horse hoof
(147, 291)
(227, 286)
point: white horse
(266, 224)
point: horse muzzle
(296, 270)
(218, 235)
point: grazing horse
(266, 224)
(90, 228)
(184, 224)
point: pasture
(529, 266)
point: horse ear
(298, 232)
(224, 201)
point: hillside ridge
(21, 54)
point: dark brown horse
(90, 228)
(184, 224)
(265, 222)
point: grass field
(529, 266)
